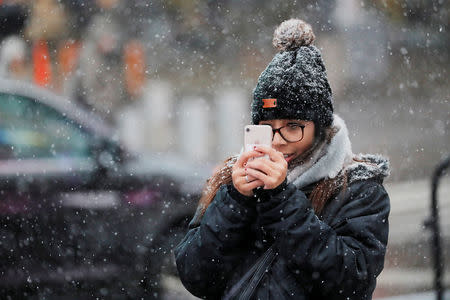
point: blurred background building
(177, 76)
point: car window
(29, 129)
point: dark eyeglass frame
(279, 131)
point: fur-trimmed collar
(337, 156)
(368, 166)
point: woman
(320, 209)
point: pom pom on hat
(293, 34)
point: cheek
(304, 144)
(309, 139)
(302, 147)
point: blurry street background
(177, 76)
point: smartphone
(257, 135)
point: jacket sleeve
(343, 258)
(212, 249)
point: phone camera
(247, 129)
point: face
(291, 150)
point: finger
(267, 166)
(237, 172)
(270, 181)
(252, 185)
(250, 178)
(240, 178)
(273, 154)
(258, 175)
(245, 156)
(262, 148)
(241, 172)
(245, 187)
(264, 165)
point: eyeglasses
(292, 132)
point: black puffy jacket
(336, 255)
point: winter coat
(334, 255)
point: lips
(288, 157)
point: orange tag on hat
(269, 103)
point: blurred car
(81, 216)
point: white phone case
(257, 135)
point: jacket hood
(337, 157)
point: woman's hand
(242, 181)
(272, 172)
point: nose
(277, 140)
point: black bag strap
(253, 275)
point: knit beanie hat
(294, 85)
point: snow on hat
(294, 85)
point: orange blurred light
(134, 59)
(42, 70)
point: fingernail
(254, 147)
